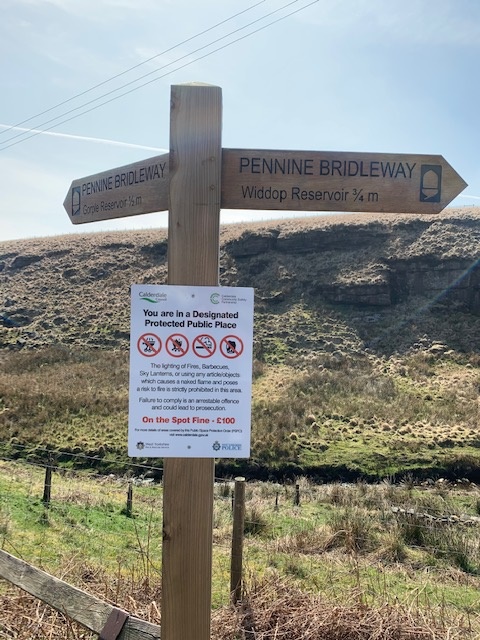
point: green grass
(343, 541)
(378, 418)
(342, 416)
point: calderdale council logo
(152, 296)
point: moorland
(365, 394)
(366, 343)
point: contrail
(115, 143)
(474, 197)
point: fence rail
(94, 614)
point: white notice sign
(190, 371)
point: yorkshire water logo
(75, 201)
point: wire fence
(105, 531)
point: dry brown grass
(25, 618)
(272, 610)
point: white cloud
(70, 136)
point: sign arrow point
(134, 189)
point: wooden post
(297, 495)
(47, 486)
(193, 259)
(237, 541)
(129, 507)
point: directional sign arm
(337, 181)
(134, 189)
(279, 180)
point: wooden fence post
(297, 495)
(237, 541)
(129, 507)
(47, 486)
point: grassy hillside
(366, 363)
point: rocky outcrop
(19, 262)
(376, 263)
(76, 288)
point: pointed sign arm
(337, 181)
(134, 189)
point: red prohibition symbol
(177, 345)
(149, 345)
(231, 346)
(204, 346)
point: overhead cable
(122, 73)
(24, 137)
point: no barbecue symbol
(149, 345)
(231, 346)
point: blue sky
(351, 75)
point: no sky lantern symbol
(231, 347)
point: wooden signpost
(193, 181)
(193, 259)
